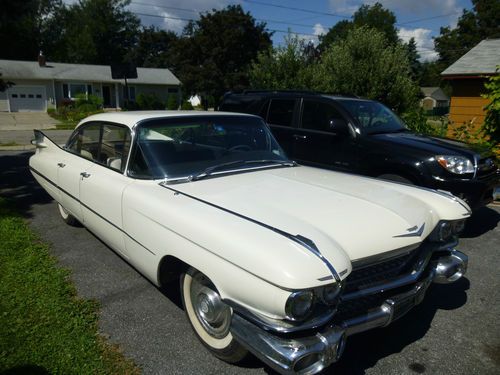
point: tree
(364, 65)
(337, 32)
(24, 27)
(97, 32)
(155, 48)
(413, 58)
(378, 18)
(215, 52)
(373, 16)
(492, 119)
(482, 22)
(284, 67)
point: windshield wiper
(208, 171)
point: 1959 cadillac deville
(281, 260)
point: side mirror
(338, 125)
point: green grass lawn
(44, 325)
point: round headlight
(330, 293)
(445, 231)
(299, 305)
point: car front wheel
(209, 316)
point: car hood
(347, 217)
(434, 145)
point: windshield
(190, 147)
(373, 117)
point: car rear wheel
(66, 216)
(209, 316)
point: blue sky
(420, 19)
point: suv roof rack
(308, 92)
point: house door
(106, 96)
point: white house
(39, 85)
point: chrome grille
(486, 167)
(372, 275)
(378, 273)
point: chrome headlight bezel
(330, 294)
(447, 230)
(456, 164)
(299, 305)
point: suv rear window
(281, 112)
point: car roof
(131, 118)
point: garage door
(27, 98)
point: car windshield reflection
(193, 148)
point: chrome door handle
(299, 136)
(85, 174)
(61, 165)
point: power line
(296, 9)
(193, 19)
(195, 11)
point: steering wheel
(240, 148)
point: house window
(173, 90)
(71, 90)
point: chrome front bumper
(311, 354)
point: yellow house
(467, 77)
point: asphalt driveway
(455, 330)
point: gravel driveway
(455, 330)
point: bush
(418, 122)
(90, 102)
(149, 102)
(172, 102)
(186, 106)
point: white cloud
(423, 39)
(319, 29)
(172, 10)
(406, 10)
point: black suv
(363, 136)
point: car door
(75, 163)
(91, 178)
(102, 186)
(281, 117)
(323, 137)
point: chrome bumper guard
(311, 354)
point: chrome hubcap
(213, 314)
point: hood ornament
(414, 231)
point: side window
(86, 142)
(114, 146)
(323, 117)
(103, 143)
(281, 112)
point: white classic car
(281, 260)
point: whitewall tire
(209, 316)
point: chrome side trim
(303, 241)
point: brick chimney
(41, 59)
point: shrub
(149, 101)
(173, 102)
(418, 122)
(90, 102)
(186, 106)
